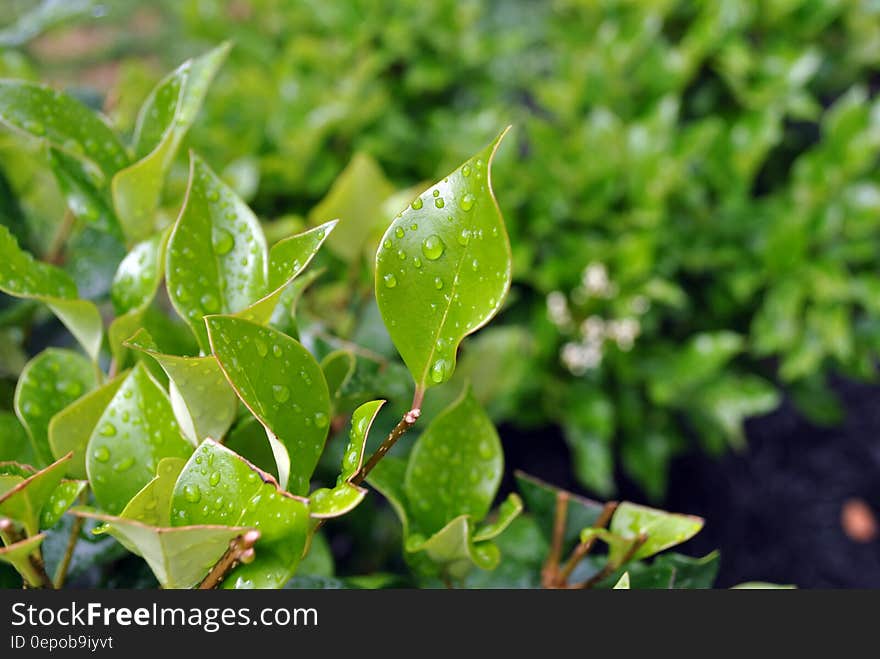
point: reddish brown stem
(241, 550)
(583, 549)
(610, 566)
(549, 575)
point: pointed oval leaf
(328, 502)
(63, 121)
(207, 403)
(455, 467)
(18, 555)
(540, 500)
(217, 486)
(443, 269)
(15, 444)
(152, 505)
(339, 367)
(508, 511)
(180, 557)
(85, 198)
(135, 431)
(62, 498)
(24, 502)
(662, 529)
(453, 550)
(282, 385)
(24, 277)
(70, 429)
(287, 259)
(50, 382)
(216, 260)
(162, 123)
(138, 276)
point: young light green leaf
(663, 530)
(508, 511)
(70, 429)
(62, 498)
(623, 582)
(24, 277)
(62, 121)
(50, 382)
(218, 486)
(356, 197)
(15, 444)
(204, 403)
(282, 385)
(152, 505)
(163, 121)
(344, 497)
(23, 503)
(443, 269)
(455, 467)
(18, 555)
(453, 549)
(136, 430)
(216, 260)
(287, 259)
(180, 557)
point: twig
(551, 567)
(64, 565)
(583, 549)
(241, 550)
(610, 566)
(408, 421)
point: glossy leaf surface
(662, 529)
(24, 501)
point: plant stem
(551, 567)
(241, 550)
(64, 565)
(583, 549)
(35, 568)
(610, 566)
(408, 421)
(60, 238)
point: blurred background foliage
(691, 187)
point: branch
(550, 572)
(241, 550)
(583, 549)
(610, 567)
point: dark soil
(774, 510)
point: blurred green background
(691, 188)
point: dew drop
(417, 204)
(209, 302)
(466, 171)
(321, 420)
(467, 202)
(124, 465)
(276, 350)
(223, 242)
(390, 280)
(108, 430)
(439, 370)
(102, 454)
(280, 392)
(192, 493)
(262, 350)
(464, 237)
(214, 478)
(439, 203)
(432, 247)
(438, 283)
(399, 232)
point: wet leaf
(663, 529)
(135, 431)
(453, 549)
(50, 382)
(455, 467)
(204, 403)
(216, 260)
(24, 501)
(180, 557)
(24, 277)
(70, 429)
(62, 121)
(338, 366)
(219, 487)
(508, 511)
(15, 444)
(356, 198)
(62, 498)
(282, 385)
(152, 505)
(18, 556)
(443, 269)
(85, 199)
(163, 121)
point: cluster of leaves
(191, 429)
(732, 204)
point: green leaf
(540, 499)
(388, 477)
(219, 487)
(152, 505)
(283, 386)
(248, 439)
(63, 121)
(662, 529)
(454, 550)
(443, 269)
(50, 382)
(15, 445)
(163, 121)
(688, 572)
(762, 585)
(83, 194)
(216, 260)
(338, 366)
(18, 555)
(180, 557)
(287, 259)
(24, 277)
(678, 373)
(70, 429)
(455, 467)
(135, 431)
(508, 511)
(24, 502)
(204, 403)
(356, 197)
(344, 497)
(623, 582)
(138, 276)
(62, 498)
